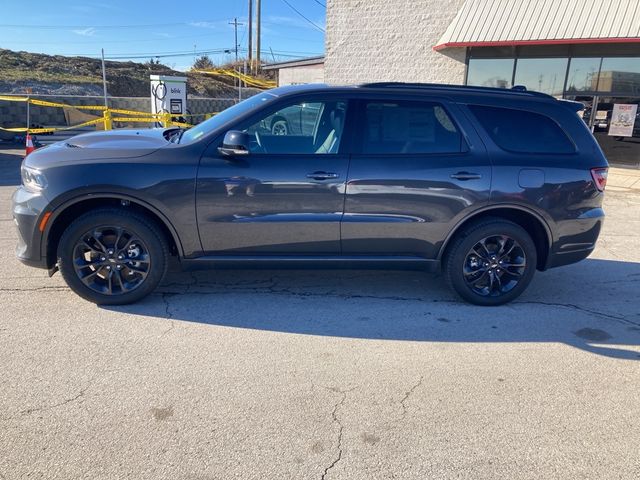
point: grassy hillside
(47, 74)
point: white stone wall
(302, 74)
(391, 40)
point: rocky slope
(23, 72)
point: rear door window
(522, 131)
(408, 128)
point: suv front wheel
(112, 257)
(491, 262)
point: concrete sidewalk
(623, 179)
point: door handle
(322, 175)
(466, 176)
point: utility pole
(236, 25)
(257, 35)
(236, 66)
(250, 49)
(104, 80)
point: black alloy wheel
(111, 260)
(494, 265)
(112, 256)
(490, 262)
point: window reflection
(583, 75)
(542, 74)
(620, 75)
(599, 83)
(490, 72)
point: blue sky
(160, 27)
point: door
(615, 123)
(417, 169)
(286, 196)
(619, 134)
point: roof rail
(520, 89)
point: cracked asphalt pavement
(322, 374)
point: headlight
(33, 179)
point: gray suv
(485, 185)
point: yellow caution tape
(181, 124)
(129, 112)
(46, 103)
(52, 129)
(145, 117)
(147, 120)
(134, 119)
(13, 99)
(206, 115)
(251, 81)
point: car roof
(461, 92)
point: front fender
(58, 208)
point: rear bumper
(577, 238)
(27, 209)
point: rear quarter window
(522, 131)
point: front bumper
(28, 208)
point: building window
(490, 72)
(620, 75)
(583, 75)
(542, 74)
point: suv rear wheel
(491, 262)
(112, 257)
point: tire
(489, 277)
(280, 127)
(112, 257)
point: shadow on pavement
(591, 305)
(10, 159)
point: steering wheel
(259, 142)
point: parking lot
(324, 374)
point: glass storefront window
(619, 148)
(620, 75)
(542, 74)
(599, 81)
(490, 72)
(583, 75)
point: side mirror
(235, 143)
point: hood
(95, 146)
(128, 139)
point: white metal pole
(104, 80)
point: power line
(64, 27)
(147, 25)
(105, 42)
(186, 53)
(299, 13)
(320, 3)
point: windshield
(197, 132)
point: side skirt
(382, 262)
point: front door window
(301, 128)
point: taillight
(599, 176)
